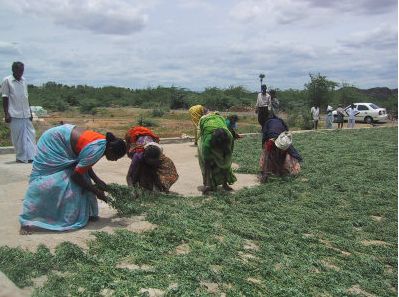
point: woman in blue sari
(60, 194)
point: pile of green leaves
(127, 200)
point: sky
(196, 44)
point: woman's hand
(100, 195)
(101, 185)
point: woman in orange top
(149, 168)
(61, 195)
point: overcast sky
(196, 44)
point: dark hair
(220, 139)
(152, 152)
(16, 65)
(263, 87)
(272, 92)
(117, 145)
(233, 118)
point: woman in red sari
(150, 168)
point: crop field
(331, 231)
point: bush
(146, 122)
(89, 107)
(157, 112)
(299, 118)
(5, 135)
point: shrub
(299, 118)
(146, 122)
(157, 112)
(4, 134)
(89, 107)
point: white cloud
(99, 16)
(9, 49)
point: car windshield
(373, 106)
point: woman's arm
(100, 183)
(132, 177)
(84, 184)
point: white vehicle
(368, 113)
(39, 111)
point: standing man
(315, 111)
(262, 105)
(352, 112)
(18, 114)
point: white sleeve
(257, 101)
(5, 90)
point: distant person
(340, 116)
(329, 117)
(150, 168)
(196, 112)
(231, 122)
(263, 105)
(274, 102)
(215, 148)
(278, 156)
(61, 195)
(18, 114)
(352, 112)
(315, 112)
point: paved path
(14, 181)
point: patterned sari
(220, 163)
(53, 201)
(162, 176)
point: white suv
(368, 112)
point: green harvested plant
(126, 200)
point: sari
(272, 159)
(163, 176)
(276, 161)
(220, 163)
(196, 112)
(53, 201)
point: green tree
(320, 89)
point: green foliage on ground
(328, 232)
(5, 135)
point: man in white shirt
(352, 112)
(315, 111)
(262, 105)
(18, 114)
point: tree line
(319, 90)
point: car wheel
(368, 120)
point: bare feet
(226, 187)
(93, 218)
(24, 230)
(207, 189)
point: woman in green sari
(214, 153)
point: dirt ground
(14, 181)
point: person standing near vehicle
(315, 111)
(262, 105)
(329, 117)
(18, 114)
(340, 117)
(352, 112)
